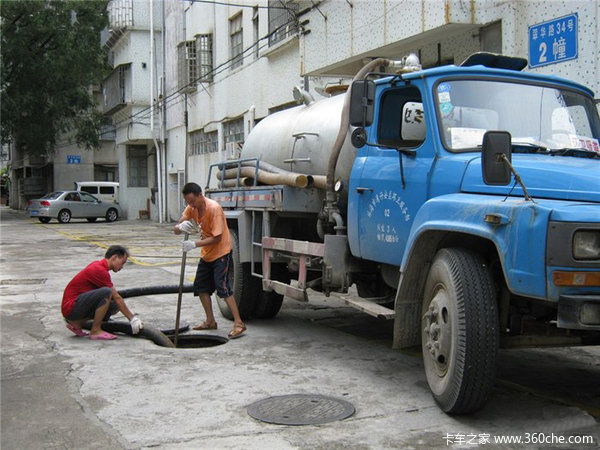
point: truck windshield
(535, 115)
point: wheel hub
(437, 331)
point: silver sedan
(64, 205)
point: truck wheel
(240, 280)
(269, 303)
(459, 334)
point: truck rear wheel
(459, 331)
(269, 303)
(240, 280)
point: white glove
(188, 246)
(136, 324)
(188, 226)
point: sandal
(104, 336)
(77, 331)
(205, 326)
(237, 331)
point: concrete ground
(60, 391)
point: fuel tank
(300, 139)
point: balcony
(115, 91)
(120, 18)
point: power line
(215, 71)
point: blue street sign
(73, 159)
(553, 41)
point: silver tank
(300, 139)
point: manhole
(198, 340)
(300, 409)
(24, 281)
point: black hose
(148, 332)
(152, 290)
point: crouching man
(91, 295)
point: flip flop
(205, 326)
(77, 331)
(104, 336)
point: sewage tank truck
(461, 202)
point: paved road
(59, 391)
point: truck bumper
(579, 312)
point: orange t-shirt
(213, 224)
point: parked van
(107, 191)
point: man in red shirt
(215, 253)
(91, 295)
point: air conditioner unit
(233, 150)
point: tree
(51, 55)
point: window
(282, 19)
(205, 56)
(137, 166)
(202, 142)
(236, 41)
(403, 120)
(187, 67)
(233, 130)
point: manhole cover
(24, 281)
(300, 409)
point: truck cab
(505, 249)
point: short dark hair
(116, 250)
(191, 188)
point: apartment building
(228, 64)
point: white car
(64, 205)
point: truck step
(366, 306)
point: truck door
(380, 210)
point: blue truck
(462, 202)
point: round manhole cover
(300, 409)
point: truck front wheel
(459, 331)
(240, 281)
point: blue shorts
(213, 275)
(87, 303)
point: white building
(229, 64)
(130, 92)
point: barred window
(202, 143)
(137, 166)
(236, 41)
(233, 131)
(204, 53)
(187, 65)
(282, 19)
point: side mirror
(362, 100)
(494, 168)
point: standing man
(91, 295)
(215, 243)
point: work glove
(188, 246)
(188, 226)
(136, 324)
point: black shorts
(87, 303)
(213, 275)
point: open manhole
(300, 409)
(198, 340)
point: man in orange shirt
(215, 243)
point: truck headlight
(586, 244)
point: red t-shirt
(94, 276)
